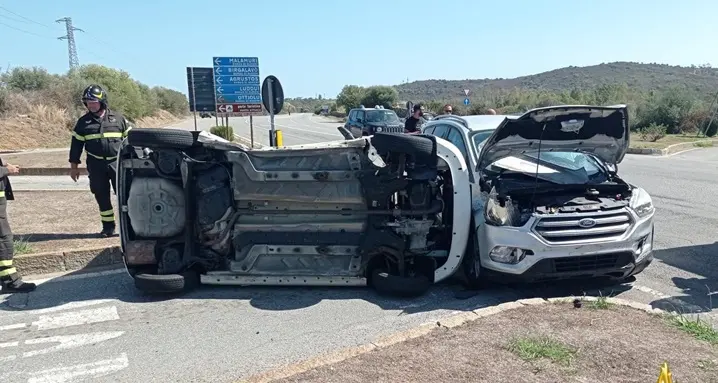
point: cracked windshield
(337, 200)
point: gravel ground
(617, 344)
(55, 221)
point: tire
(161, 138)
(396, 286)
(421, 147)
(471, 269)
(166, 283)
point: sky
(316, 47)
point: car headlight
(379, 129)
(641, 203)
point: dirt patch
(546, 343)
(45, 126)
(56, 221)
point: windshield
(382, 116)
(479, 138)
(567, 168)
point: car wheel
(161, 138)
(471, 268)
(396, 286)
(167, 283)
(422, 148)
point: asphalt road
(98, 327)
(297, 129)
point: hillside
(641, 77)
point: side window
(441, 131)
(352, 115)
(428, 130)
(457, 139)
(360, 115)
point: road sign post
(194, 98)
(273, 101)
(236, 86)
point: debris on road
(549, 342)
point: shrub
(225, 132)
(653, 132)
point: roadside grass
(696, 327)
(601, 303)
(21, 246)
(669, 140)
(531, 348)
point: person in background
(448, 109)
(414, 122)
(491, 111)
(10, 280)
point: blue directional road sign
(237, 86)
(466, 101)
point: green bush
(653, 132)
(126, 95)
(225, 132)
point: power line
(25, 18)
(23, 31)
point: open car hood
(599, 130)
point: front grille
(588, 263)
(563, 228)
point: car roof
(481, 121)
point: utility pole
(70, 37)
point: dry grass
(55, 221)
(22, 133)
(34, 125)
(665, 141)
(547, 343)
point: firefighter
(10, 280)
(100, 132)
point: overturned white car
(390, 210)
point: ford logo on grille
(587, 223)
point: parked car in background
(368, 121)
(547, 200)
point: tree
(385, 96)
(350, 96)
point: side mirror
(344, 132)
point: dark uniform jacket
(5, 186)
(100, 137)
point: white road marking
(9, 344)
(68, 276)
(62, 307)
(69, 341)
(76, 318)
(13, 326)
(67, 374)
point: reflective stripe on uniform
(97, 136)
(2, 193)
(100, 157)
(107, 216)
(6, 263)
(7, 272)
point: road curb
(69, 260)
(671, 149)
(421, 330)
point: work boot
(15, 284)
(108, 230)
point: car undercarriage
(389, 211)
